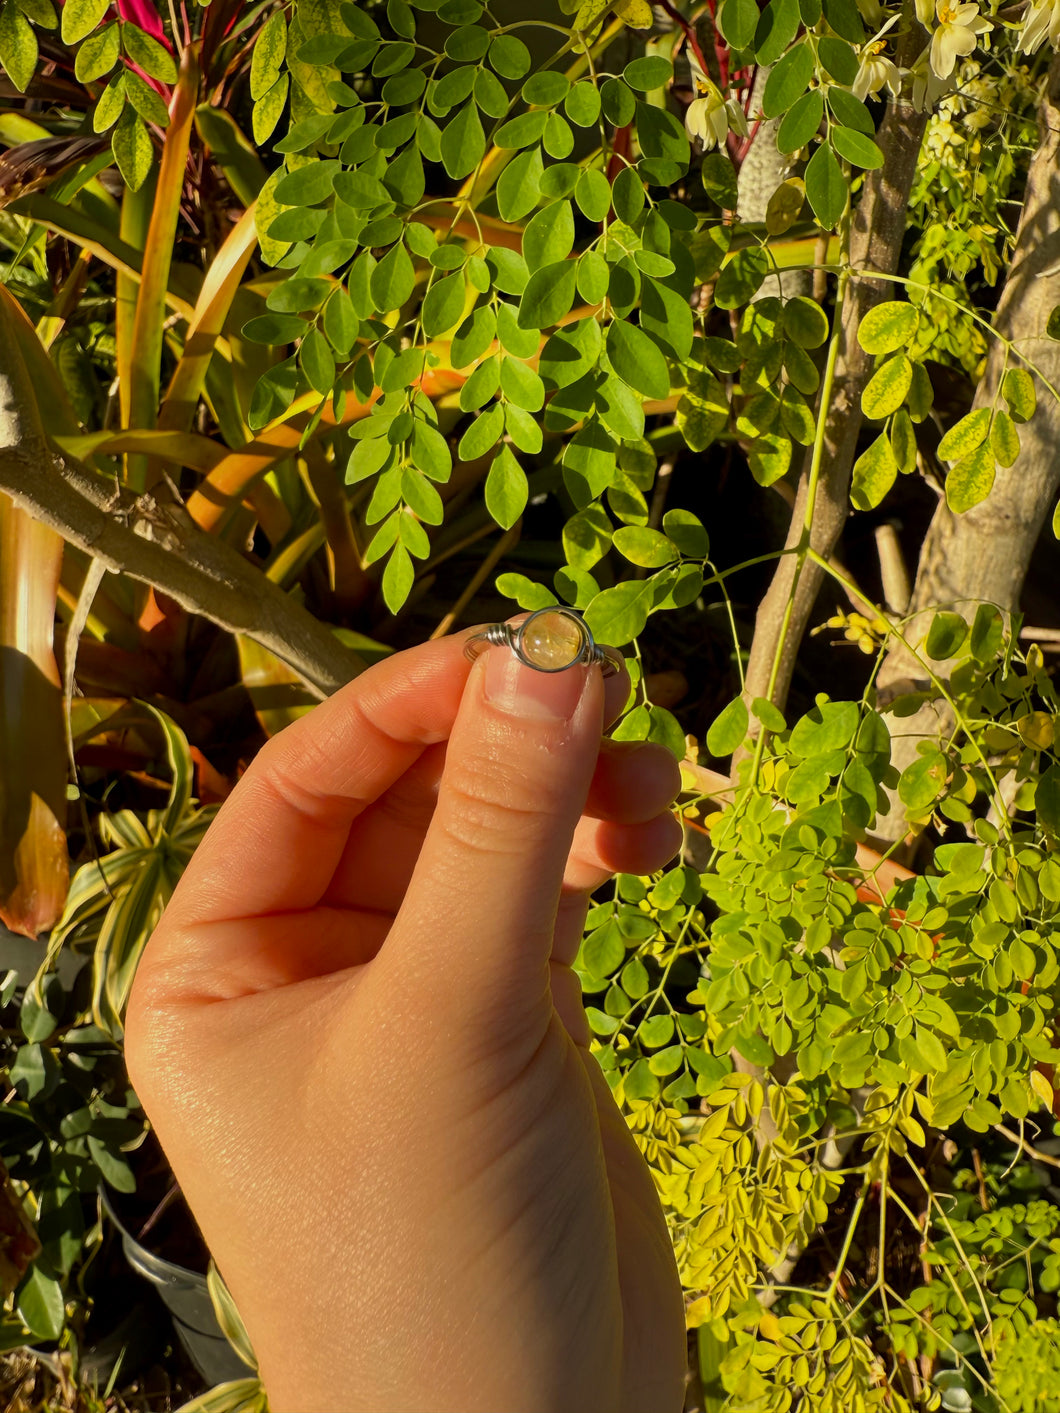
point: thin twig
(1025, 1148)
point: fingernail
(523, 691)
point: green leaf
(506, 489)
(603, 950)
(824, 728)
(548, 296)
(728, 729)
(309, 185)
(398, 577)
(522, 385)
(1047, 801)
(474, 336)
(582, 104)
(666, 314)
(589, 461)
(317, 361)
(826, 187)
(805, 322)
(687, 533)
(842, 63)
(656, 1031)
(971, 480)
(571, 352)
(741, 278)
(618, 615)
(98, 55)
(930, 1050)
(788, 80)
(463, 142)
(587, 537)
(886, 390)
(888, 326)
(874, 474)
(483, 433)
(549, 236)
(132, 149)
(702, 411)
(524, 591)
(1004, 439)
(18, 46)
(850, 111)
(856, 148)
(737, 21)
(1052, 327)
(269, 108)
(769, 457)
(637, 360)
(903, 442)
(80, 17)
(421, 497)
(921, 783)
(945, 636)
(593, 194)
(964, 436)
(393, 279)
(509, 56)
(648, 548)
(1017, 387)
(648, 73)
(777, 27)
(519, 185)
(151, 56)
(801, 122)
(523, 131)
(341, 324)
(145, 100)
(771, 717)
(274, 329)
(443, 305)
(267, 56)
(430, 452)
(39, 1301)
(843, 17)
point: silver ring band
(550, 640)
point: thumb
(479, 913)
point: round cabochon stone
(551, 640)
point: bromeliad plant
(490, 264)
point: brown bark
(981, 556)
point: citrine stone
(551, 640)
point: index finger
(278, 838)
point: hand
(358, 1036)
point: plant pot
(182, 1288)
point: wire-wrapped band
(550, 640)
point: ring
(550, 640)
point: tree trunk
(982, 555)
(875, 244)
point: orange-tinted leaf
(34, 867)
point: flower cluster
(710, 116)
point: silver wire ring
(550, 640)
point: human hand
(359, 1039)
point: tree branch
(157, 543)
(875, 244)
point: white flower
(925, 13)
(1041, 22)
(928, 88)
(708, 119)
(958, 26)
(876, 72)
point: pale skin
(361, 1044)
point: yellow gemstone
(551, 641)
